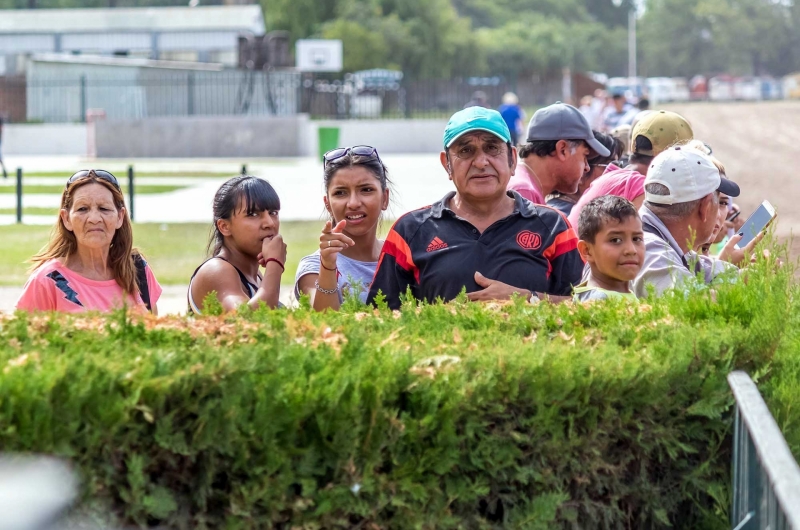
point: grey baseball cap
(560, 121)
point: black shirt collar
(522, 206)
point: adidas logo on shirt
(436, 244)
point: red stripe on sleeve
(564, 242)
(396, 246)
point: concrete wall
(208, 137)
(45, 138)
(202, 137)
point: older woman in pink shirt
(90, 263)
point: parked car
(698, 88)
(680, 89)
(771, 88)
(633, 87)
(747, 89)
(791, 86)
(720, 88)
(660, 90)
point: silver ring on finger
(329, 242)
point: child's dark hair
(599, 211)
(371, 163)
(256, 195)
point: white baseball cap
(688, 175)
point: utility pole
(632, 12)
(632, 41)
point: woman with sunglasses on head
(90, 263)
(356, 194)
(244, 236)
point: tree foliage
(444, 38)
(744, 37)
(458, 38)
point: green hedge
(443, 416)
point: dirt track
(759, 144)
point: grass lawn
(57, 190)
(31, 210)
(173, 250)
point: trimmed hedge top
(465, 415)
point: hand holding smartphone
(756, 223)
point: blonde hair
(510, 98)
(623, 134)
(701, 147)
(64, 244)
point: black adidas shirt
(436, 253)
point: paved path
(418, 181)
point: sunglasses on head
(100, 173)
(361, 150)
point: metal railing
(129, 95)
(766, 477)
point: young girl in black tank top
(244, 236)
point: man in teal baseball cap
(479, 237)
(475, 119)
(478, 154)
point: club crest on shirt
(529, 240)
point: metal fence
(153, 93)
(766, 477)
(150, 94)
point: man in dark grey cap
(556, 153)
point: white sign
(317, 55)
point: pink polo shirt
(53, 287)
(524, 183)
(625, 183)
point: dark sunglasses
(361, 150)
(101, 174)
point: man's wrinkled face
(479, 165)
(574, 163)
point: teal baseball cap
(475, 119)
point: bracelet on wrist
(276, 261)
(325, 291)
(326, 268)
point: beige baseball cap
(664, 129)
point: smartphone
(756, 223)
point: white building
(204, 34)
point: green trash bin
(328, 139)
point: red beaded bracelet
(276, 261)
